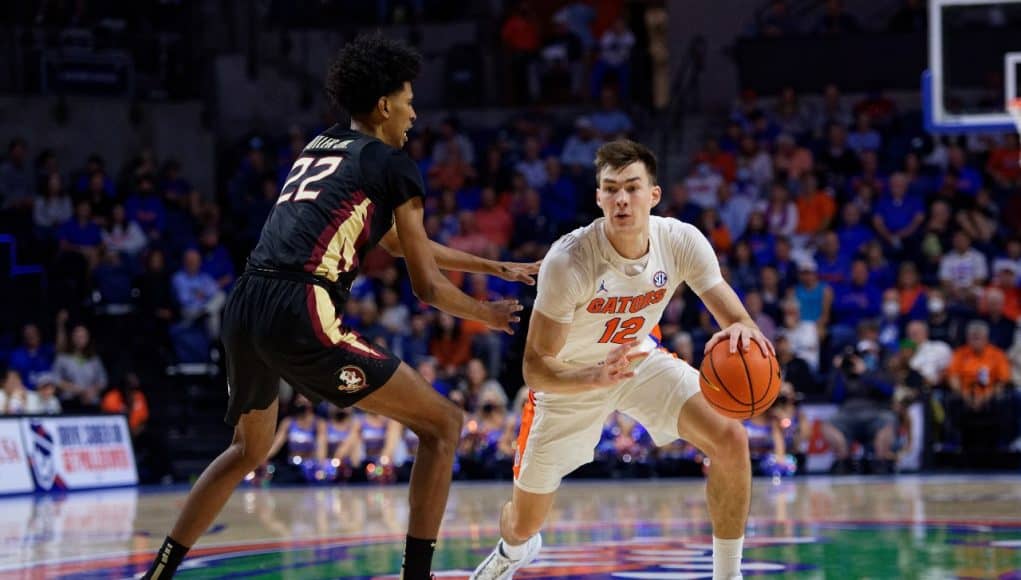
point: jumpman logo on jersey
(602, 287)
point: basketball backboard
(974, 57)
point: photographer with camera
(864, 392)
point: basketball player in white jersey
(602, 288)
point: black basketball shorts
(277, 328)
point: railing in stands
(15, 268)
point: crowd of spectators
(784, 18)
(884, 265)
(567, 52)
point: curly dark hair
(367, 68)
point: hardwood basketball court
(816, 527)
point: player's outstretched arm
(448, 258)
(738, 326)
(431, 286)
(545, 373)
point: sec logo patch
(659, 279)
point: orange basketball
(740, 385)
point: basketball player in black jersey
(351, 189)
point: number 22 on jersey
(619, 332)
(322, 167)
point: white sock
(727, 558)
(514, 552)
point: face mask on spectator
(936, 306)
(891, 309)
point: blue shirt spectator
(579, 151)
(33, 359)
(680, 206)
(147, 209)
(17, 182)
(173, 183)
(609, 121)
(735, 208)
(832, 263)
(810, 292)
(216, 259)
(853, 238)
(759, 239)
(559, 195)
(899, 214)
(113, 277)
(969, 180)
(80, 231)
(857, 299)
(853, 234)
(193, 287)
(864, 137)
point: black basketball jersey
(337, 203)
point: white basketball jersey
(608, 299)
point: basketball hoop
(1014, 107)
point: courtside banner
(14, 474)
(79, 452)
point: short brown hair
(623, 152)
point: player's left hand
(744, 334)
(523, 272)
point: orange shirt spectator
(520, 34)
(1003, 296)
(815, 211)
(719, 236)
(493, 220)
(909, 297)
(715, 230)
(451, 346)
(723, 162)
(1003, 162)
(795, 160)
(138, 411)
(469, 239)
(977, 372)
(1009, 302)
(450, 175)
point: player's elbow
(530, 369)
(425, 290)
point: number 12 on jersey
(619, 332)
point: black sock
(167, 560)
(418, 559)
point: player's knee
(732, 441)
(451, 428)
(445, 431)
(250, 456)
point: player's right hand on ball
(617, 365)
(503, 313)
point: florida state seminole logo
(351, 379)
